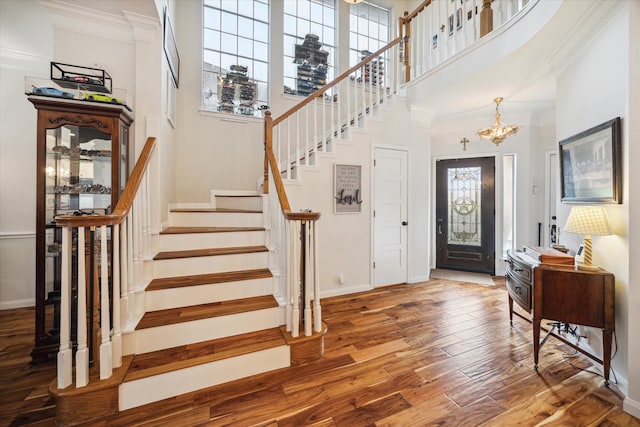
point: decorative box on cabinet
(82, 168)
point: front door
(390, 216)
(465, 214)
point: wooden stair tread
(223, 210)
(194, 230)
(173, 316)
(192, 253)
(180, 357)
(205, 279)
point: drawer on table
(520, 270)
(519, 291)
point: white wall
(632, 130)
(129, 47)
(591, 91)
(345, 239)
(26, 38)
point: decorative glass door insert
(464, 188)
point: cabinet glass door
(78, 182)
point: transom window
(235, 66)
(309, 45)
(368, 30)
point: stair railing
(437, 30)
(121, 238)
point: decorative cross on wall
(464, 142)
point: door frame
(548, 164)
(373, 203)
(499, 267)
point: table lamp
(587, 220)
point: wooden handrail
(334, 82)
(277, 177)
(126, 198)
(418, 9)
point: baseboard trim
(345, 290)
(418, 279)
(631, 407)
(21, 303)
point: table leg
(536, 342)
(510, 310)
(606, 358)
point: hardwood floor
(435, 353)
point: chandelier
(498, 132)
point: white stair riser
(251, 203)
(167, 336)
(182, 242)
(204, 294)
(215, 219)
(209, 264)
(152, 389)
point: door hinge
(374, 265)
(374, 214)
(374, 162)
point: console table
(566, 295)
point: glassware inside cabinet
(78, 171)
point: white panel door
(390, 217)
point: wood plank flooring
(434, 354)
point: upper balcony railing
(439, 29)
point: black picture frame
(171, 49)
(591, 165)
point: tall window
(508, 203)
(309, 45)
(235, 65)
(368, 30)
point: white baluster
(295, 260)
(117, 335)
(278, 145)
(317, 310)
(339, 102)
(82, 354)
(130, 267)
(64, 354)
(364, 95)
(106, 356)
(307, 278)
(124, 276)
(324, 125)
(315, 128)
(288, 158)
(289, 268)
(297, 143)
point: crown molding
(594, 19)
(78, 19)
(144, 27)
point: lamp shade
(589, 220)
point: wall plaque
(347, 188)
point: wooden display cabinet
(82, 168)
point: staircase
(210, 316)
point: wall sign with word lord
(347, 190)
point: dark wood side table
(566, 295)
